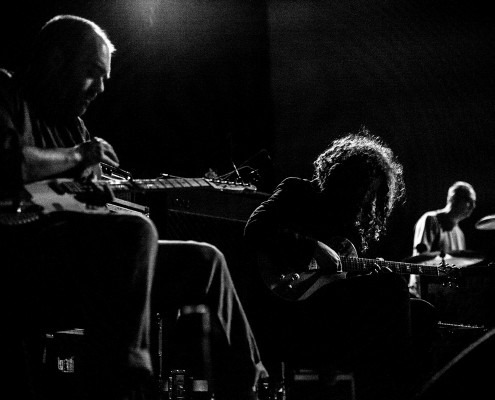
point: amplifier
(199, 214)
(452, 339)
(213, 216)
(468, 300)
(213, 197)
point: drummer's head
(462, 199)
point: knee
(211, 255)
(395, 285)
(139, 227)
(424, 316)
(147, 230)
(137, 237)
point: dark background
(206, 84)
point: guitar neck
(351, 264)
(158, 184)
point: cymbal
(462, 261)
(486, 223)
(421, 258)
(459, 258)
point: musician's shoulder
(294, 183)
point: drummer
(439, 231)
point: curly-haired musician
(306, 237)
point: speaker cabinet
(468, 300)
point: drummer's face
(470, 205)
(466, 206)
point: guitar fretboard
(350, 264)
(158, 184)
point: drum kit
(464, 295)
(460, 258)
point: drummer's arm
(424, 233)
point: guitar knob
(282, 277)
(295, 277)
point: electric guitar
(47, 196)
(300, 283)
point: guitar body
(296, 283)
(48, 196)
(300, 282)
(45, 195)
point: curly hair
(348, 169)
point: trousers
(86, 270)
(192, 273)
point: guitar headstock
(232, 186)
